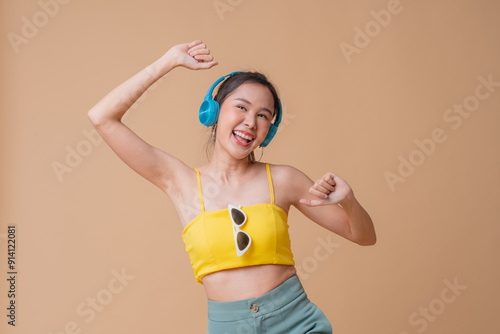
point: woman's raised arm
(151, 163)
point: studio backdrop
(401, 98)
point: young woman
(236, 229)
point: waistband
(275, 299)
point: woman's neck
(224, 166)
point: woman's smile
(243, 138)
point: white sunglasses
(241, 238)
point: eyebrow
(248, 102)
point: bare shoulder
(290, 183)
(284, 172)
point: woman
(237, 235)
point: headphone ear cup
(270, 135)
(273, 128)
(209, 109)
(209, 112)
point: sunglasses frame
(237, 229)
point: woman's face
(244, 119)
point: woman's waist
(245, 282)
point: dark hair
(231, 83)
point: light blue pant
(284, 310)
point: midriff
(245, 282)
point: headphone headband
(211, 89)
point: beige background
(357, 116)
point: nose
(250, 120)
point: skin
(329, 201)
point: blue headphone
(209, 111)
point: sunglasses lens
(238, 216)
(243, 240)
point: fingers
(324, 186)
(328, 184)
(203, 57)
(320, 192)
(198, 48)
(306, 202)
(199, 51)
(207, 65)
(195, 43)
(329, 178)
(313, 202)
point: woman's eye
(241, 107)
(263, 115)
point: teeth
(242, 135)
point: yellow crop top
(210, 243)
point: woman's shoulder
(289, 183)
(287, 177)
(284, 171)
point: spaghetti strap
(271, 189)
(199, 190)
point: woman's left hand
(330, 189)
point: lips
(243, 138)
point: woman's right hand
(194, 55)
